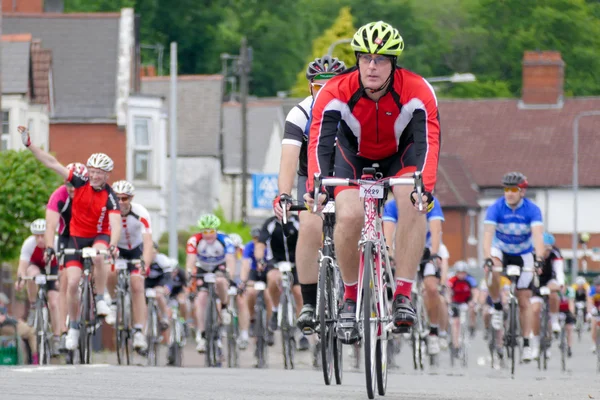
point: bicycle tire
(563, 348)
(384, 310)
(210, 356)
(415, 336)
(286, 336)
(513, 333)
(232, 335)
(122, 356)
(545, 339)
(579, 325)
(338, 297)
(464, 342)
(260, 332)
(83, 317)
(325, 318)
(369, 337)
(152, 334)
(128, 332)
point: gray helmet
(255, 232)
(515, 179)
(325, 65)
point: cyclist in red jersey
(378, 113)
(95, 222)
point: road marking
(49, 368)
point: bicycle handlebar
(416, 181)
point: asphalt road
(105, 380)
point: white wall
(151, 194)
(198, 184)
(22, 113)
(557, 207)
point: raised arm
(45, 158)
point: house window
(142, 151)
(4, 142)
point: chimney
(543, 78)
(148, 70)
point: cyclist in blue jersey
(513, 229)
(294, 156)
(430, 270)
(210, 251)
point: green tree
(342, 28)
(25, 186)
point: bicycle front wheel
(369, 319)
(325, 320)
(152, 335)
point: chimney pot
(543, 78)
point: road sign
(264, 189)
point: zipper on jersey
(377, 121)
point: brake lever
(317, 188)
(419, 188)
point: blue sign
(264, 190)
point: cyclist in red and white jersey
(135, 243)
(379, 113)
(31, 263)
(58, 217)
(95, 222)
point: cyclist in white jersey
(135, 242)
(294, 156)
(210, 251)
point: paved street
(479, 381)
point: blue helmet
(549, 239)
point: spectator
(8, 326)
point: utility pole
(244, 69)
(173, 153)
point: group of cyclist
(374, 112)
(378, 113)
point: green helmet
(378, 38)
(209, 221)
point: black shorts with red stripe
(74, 260)
(350, 165)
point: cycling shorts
(132, 254)
(350, 165)
(75, 260)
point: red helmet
(78, 169)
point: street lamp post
(456, 78)
(339, 41)
(575, 236)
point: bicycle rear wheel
(325, 320)
(260, 332)
(286, 337)
(369, 318)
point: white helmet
(236, 240)
(580, 281)
(38, 227)
(78, 168)
(460, 266)
(123, 187)
(100, 161)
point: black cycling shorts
(132, 254)
(350, 165)
(74, 260)
(256, 276)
